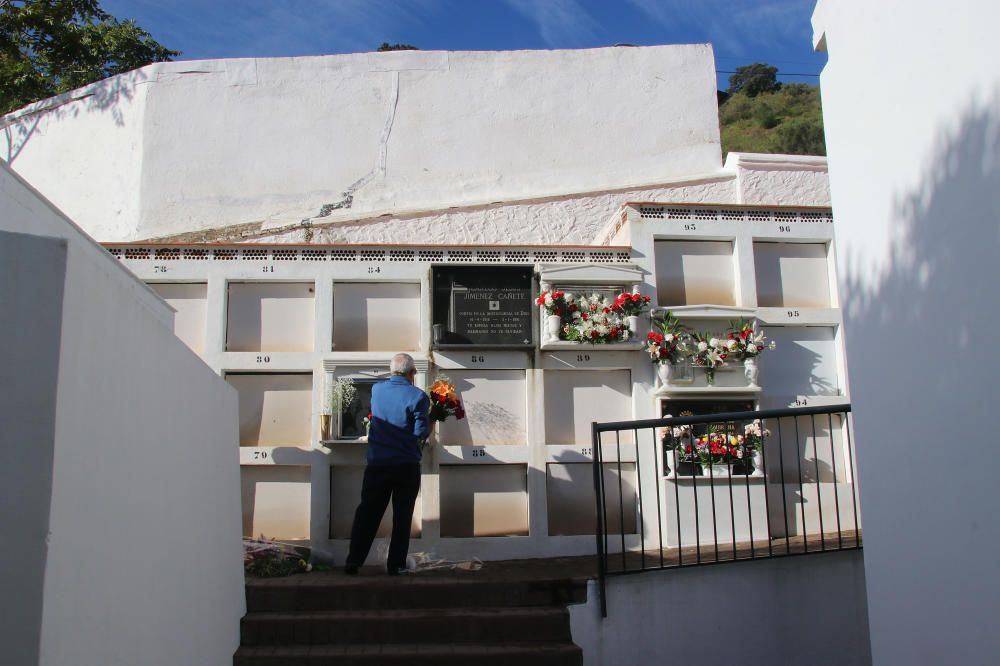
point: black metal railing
(723, 488)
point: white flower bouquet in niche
(595, 322)
(709, 353)
(593, 319)
(746, 344)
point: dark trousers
(401, 483)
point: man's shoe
(351, 569)
(394, 571)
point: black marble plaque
(483, 305)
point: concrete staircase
(418, 619)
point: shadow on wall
(923, 365)
(932, 316)
(106, 95)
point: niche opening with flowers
(592, 305)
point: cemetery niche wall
(353, 241)
(514, 478)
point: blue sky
(773, 31)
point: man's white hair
(402, 364)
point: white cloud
(559, 22)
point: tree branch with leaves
(48, 47)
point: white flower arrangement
(745, 343)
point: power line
(722, 71)
(769, 61)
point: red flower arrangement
(716, 448)
(668, 344)
(445, 401)
(554, 302)
(744, 343)
(630, 305)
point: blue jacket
(399, 422)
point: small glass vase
(710, 376)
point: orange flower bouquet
(444, 401)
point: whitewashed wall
(83, 151)
(791, 180)
(29, 356)
(355, 144)
(285, 139)
(132, 509)
(911, 100)
(779, 180)
(800, 610)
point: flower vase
(325, 427)
(633, 325)
(664, 372)
(669, 462)
(751, 370)
(758, 463)
(553, 325)
(710, 376)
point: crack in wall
(380, 165)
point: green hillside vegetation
(760, 115)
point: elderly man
(399, 423)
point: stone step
(316, 593)
(480, 654)
(433, 625)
